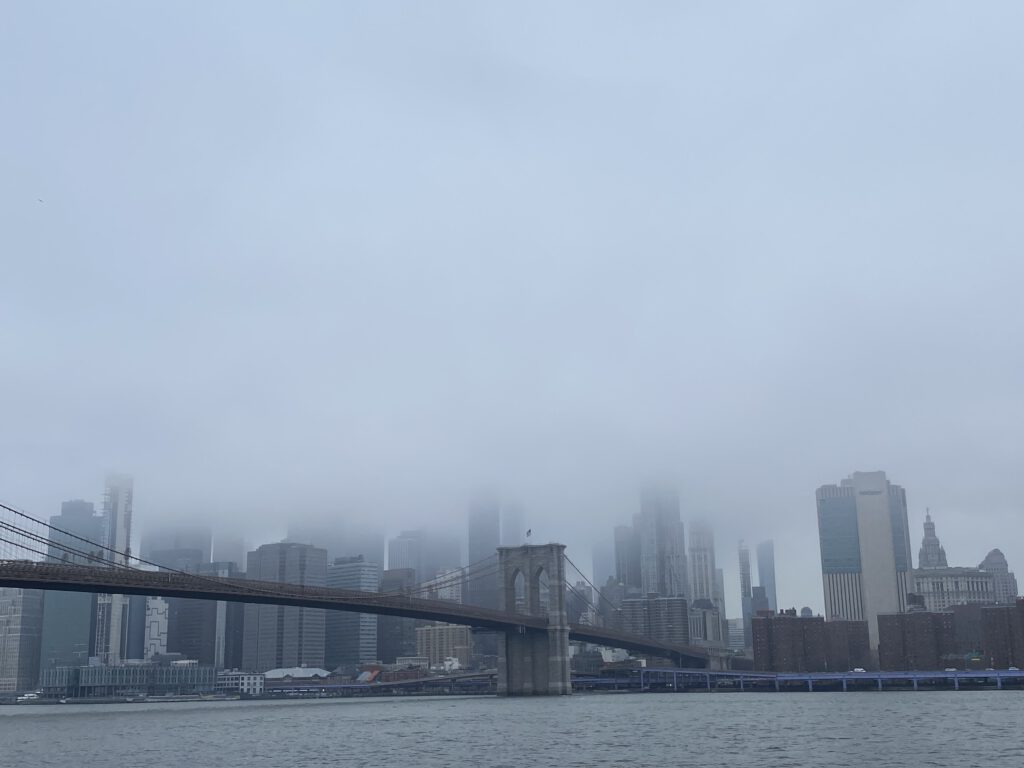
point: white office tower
(865, 549)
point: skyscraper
(21, 624)
(178, 536)
(513, 525)
(627, 557)
(719, 595)
(404, 552)
(111, 640)
(702, 562)
(396, 636)
(351, 638)
(746, 594)
(766, 572)
(661, 543)
(208, 631)
(285, 636)
(602, 557)
(68, 617)
(484, 540)
(341, 538)
(440, 552)
(865, 548)
(932, 555)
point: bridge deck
(84, 578)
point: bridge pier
(534, 662)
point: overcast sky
(292, 259)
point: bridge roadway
(26, 574)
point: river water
(949, 729)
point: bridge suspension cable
(113, 563)
(461, 576)
(600, 594)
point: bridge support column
(534, 662)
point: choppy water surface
(822, 729)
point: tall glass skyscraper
(865, 548)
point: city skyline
(345, 528)
(865, 545)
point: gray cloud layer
(364, 258)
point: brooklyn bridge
(532, 626)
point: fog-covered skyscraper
(660, 544)
(484, 539)
(865, 548)
(627, 557)
(177, 536)
(513, 525)
(284, 636)
(111, 640)
(746, 594)
(404, 552)
(766, 572)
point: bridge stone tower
(534, 662)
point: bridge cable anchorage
(600, 594)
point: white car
(858, 669)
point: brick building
(1002, 635)
(917, 641)
(786, 642)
